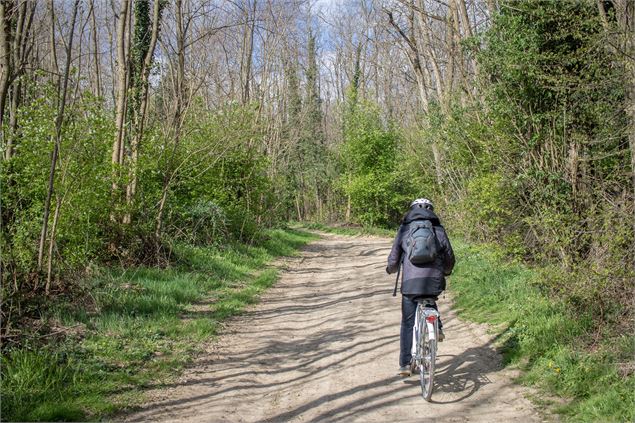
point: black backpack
(421, 244)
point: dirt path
(323, 346)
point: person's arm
(395, 254)
(446, 248)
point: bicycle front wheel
(428, 353)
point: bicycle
(424, 344)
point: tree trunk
(414, 56)
(97, 82)
(465, 19)
(442, 96)
(49, 272)
(131, 189)
(602, 13)
(54, 65)
(159, 220)
(120, 90)
(461, 12)
(297, 207)
(348, 202)
(5, 71)
(13, 52)
(177, 119)
(248, 43)
(492, 8)
(450, 48)
(25, 12)
(58, 137)
(422, 23)
(14, 96)
(14, 90)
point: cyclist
(418, 279)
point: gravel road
(323, 345)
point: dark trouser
(408, 311)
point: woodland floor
(323, 345)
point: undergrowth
(144, 325)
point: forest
(137, 132)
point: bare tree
(15, 38)
(97, 81)
(419, 44)
(248, 48)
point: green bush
(81, 185)
(374, 177)
(223, 191)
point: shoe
(440, 335)
(404, 371)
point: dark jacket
(425, 279)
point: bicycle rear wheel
(427, 351)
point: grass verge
(561, 349)
(142, 327)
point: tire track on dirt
(322, 345)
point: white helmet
(423, 203)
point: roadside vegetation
(135, 329)
(579, 357)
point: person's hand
(388, 269)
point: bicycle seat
(426, 301)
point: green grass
(547, 338)
(144, 325)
